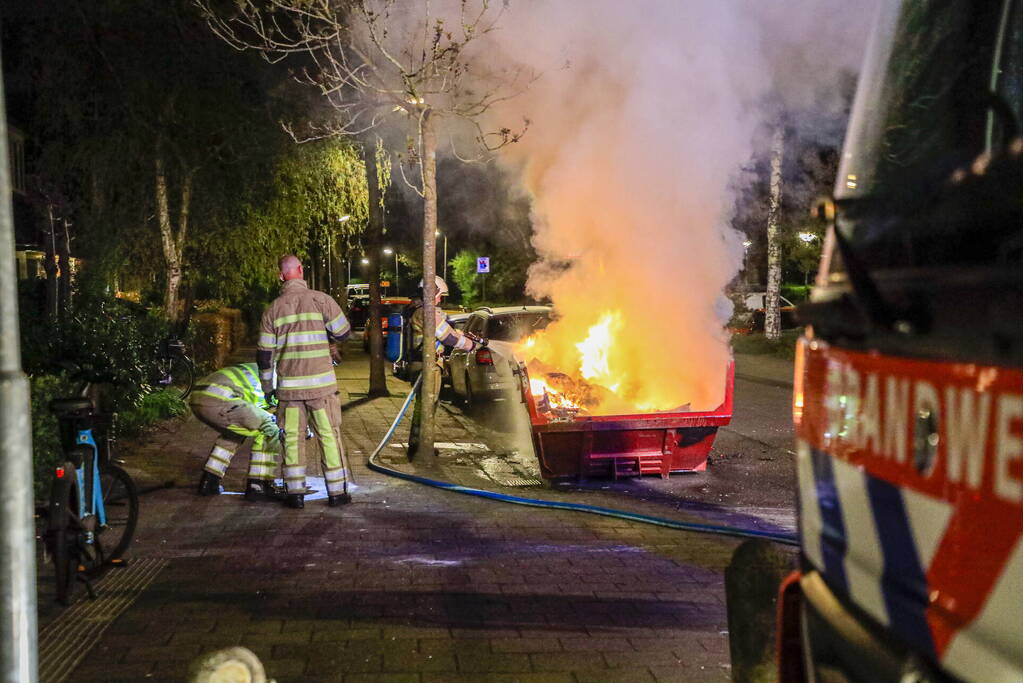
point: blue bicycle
(94, 504)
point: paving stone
(452, 677)
(407, 583)
(640, 675)
(567, 661)
(526, 645)
(382, 678)
(484, 662)
(403, 661)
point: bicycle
(94, 504)
(173, 370)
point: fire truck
(908, 398)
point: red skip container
(626, 445)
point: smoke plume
(643, 114)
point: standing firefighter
(295, 335)
(232, 401)
(445, 335)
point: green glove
(269, 427)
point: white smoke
(644, 112)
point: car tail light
(59, 472)
(484, 357)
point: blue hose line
(720, 530)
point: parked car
(457, 321)
(388, 307)
(756, 303)
(485, 374)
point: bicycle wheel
(121, 505)
(63, 538)
(179, 376)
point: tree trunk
(50, 266)
(430, 374)
(772, 315)
(377, 376)
(64, 290)
(172, 243)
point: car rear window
(516, 326)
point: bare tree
(373, 59)
(772, 314)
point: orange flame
(598, 374)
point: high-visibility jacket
(444, 334)
(233, 383)
(295, 336)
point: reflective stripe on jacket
(233, 383)
(295, 335)
(444, 333)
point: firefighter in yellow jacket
(232, 401)
(444, 335)
(295, 337)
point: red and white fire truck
(908, 398)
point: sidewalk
(407, 583)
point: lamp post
(388, 250)
(445, 268)
(746, 244)
(330, 258)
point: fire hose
(720, 530)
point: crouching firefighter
(445, 335)
(231, 400)
(295, 336)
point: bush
(210, 340)
(796, 293)
(153, 407)
(46, 450)
(110, 340)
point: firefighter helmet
(442, 287)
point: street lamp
(807, 237)
(365, 261)
(388, 250)
(437, 233)
(344, 218)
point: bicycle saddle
(70, 407)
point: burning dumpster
(570, 443)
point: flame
(555, 399)
(594, 350)
(610, 370)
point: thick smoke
(644, 113)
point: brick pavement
(407, 583)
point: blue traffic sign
(483, 264)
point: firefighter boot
(339, 499)
(209, 484)
(261, 490)
(295, 501)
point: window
(516, 327)
(474, 324)
(943, 82)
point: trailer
(617, 446)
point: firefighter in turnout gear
(296, 332)
(232, 401)
(444, 335)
